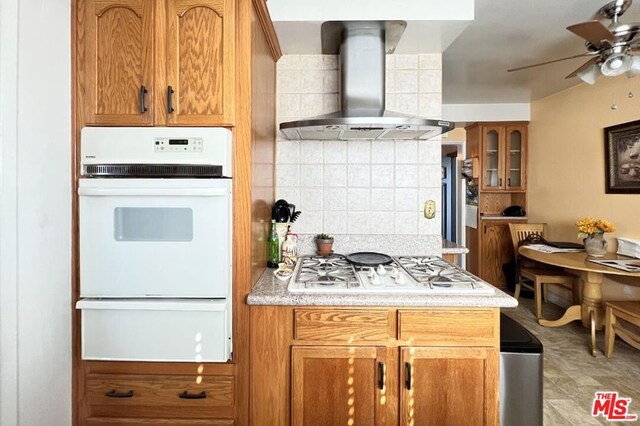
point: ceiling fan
(612, 48)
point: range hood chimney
(362, 46)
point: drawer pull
(115, 394)
(187, 395)
(381, 378)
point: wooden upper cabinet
(504, 152)
(117, 60)
(200, 62)
(148, 62)
(449, 386)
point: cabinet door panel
(450, 386)
(200, 61)
(338, 386)
(496, 250)
(116, 58)
(515, 158)
(493, 158)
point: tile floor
(572, 375)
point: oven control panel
(177, 144)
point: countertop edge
(270, 291)
(459, 250)
(449, 247)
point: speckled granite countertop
(449, 247)
(271, 291)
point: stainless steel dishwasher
(521, 375)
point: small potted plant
(324, 243)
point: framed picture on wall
(622, 158)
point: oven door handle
(153, 192)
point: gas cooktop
(405, 274)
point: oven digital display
(178, 141)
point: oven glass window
(153, 224)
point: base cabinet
(448, 386)
(338, 386)
(496, 250)
(432, 367)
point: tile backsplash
(359, 187)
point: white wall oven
(155, 244)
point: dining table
(591, 309)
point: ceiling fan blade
(551, 62)
(592, 31)
(583, 67)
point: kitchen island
(373, 358)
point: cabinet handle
(381, 371)
(509, 182)
(143, 92)
(170, 99)
(485, 228)
(500, 182)
(115, 394)
(187, 395)
(407, 367)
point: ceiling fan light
(616, 64)
(635, 67)
(590, 74)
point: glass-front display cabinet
(503, 158)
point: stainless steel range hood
(362, 46)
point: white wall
(359, 187)
(35, 212)
(470, 113)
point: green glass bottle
(274, 247)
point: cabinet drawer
(155, 330)
(159, 396)
(117, 421)
(451, 327)
(342, 325)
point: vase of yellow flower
(592, 232)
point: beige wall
(566, 162)
(457, 134)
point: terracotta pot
(325, 247)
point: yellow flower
(590, 225)
(605, 226)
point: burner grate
(326, 272)
(406, 274)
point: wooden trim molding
(266, 23)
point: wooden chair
(628, 311)
(539, 275)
